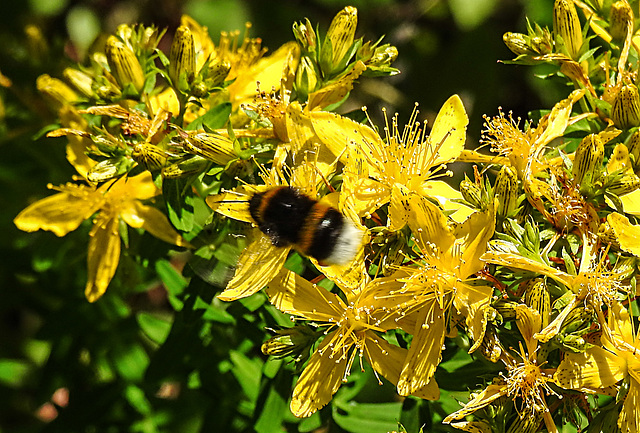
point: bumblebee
(290, 218)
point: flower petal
(292, 294)
(320, 379)
(447, 135)
(103, 256)
(60, 213)
(259, 263)
(426, 350)
(591, 370)
(628, 234)
(152, 220)
(629, 419)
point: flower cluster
(531, 264)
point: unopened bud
(295, 342)
(587, 162)
(625, 112)
(305, 35)
(214, 147)
(186, 167)
(518, 43)
(108, 169)
(620, 20)
(182, 59)
(624, 184)
(56, 90)
(123, 64)
(339, 39)
(536, 296)
(82, 81)
(633, 145)
(150, 157)
(306, 77)
(506, 191)
(473, 194)
(566, 27)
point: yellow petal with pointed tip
(628, 234)
(591, 370)
(629, 420)
(259, 263)
(292, 294)
(448, 134)
(336, 91)
(320, 379)
(152, 220)
(103, 256)
(425, 352)
(60, 213)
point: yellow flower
(525, 379)
(353, 330)
(379, 171)
(594, 286)
(599, 368)
(436, 291)
(121, 199)
(261, 261)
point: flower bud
(123, 64)
(306, 78)
(295, 342)
(305, 35)
(473, 194)
(620, 20)
(339, 39)
(108, 169)
(150, 157)
(536, 296)
(56, 90)
(587, 162)
(633, 145)
(625, 112)
(182, 59)
(518, 43)
(82, 81)
(186, 167)
(566, 26)
(214, 147)
(624, 184)
(506, 191)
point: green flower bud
(587, 163)
(123, 64)
(306, 77)
(295, 342)
(108, 169)
(305, 35)
(566, 27)
(182, 59)
(625, 112)
(186, 167)
(620, 20)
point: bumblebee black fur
(290, 218)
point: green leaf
(173, 281)
(179, 199)
(247, 372)
(367, 417)
(215, 118)
(153, 327)
(273, 410)
(130, 360)
(138, 400)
